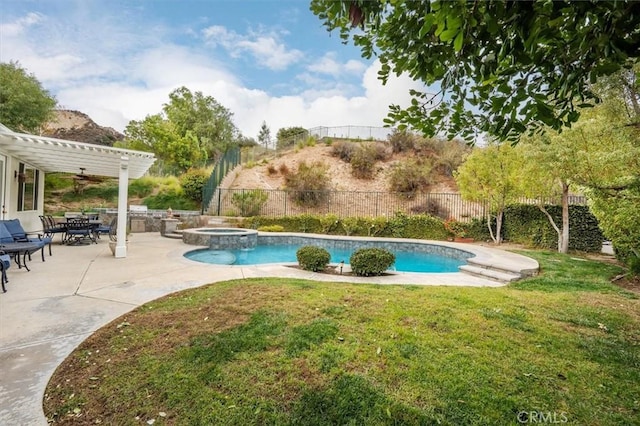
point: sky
(264, 60)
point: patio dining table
(79, 229)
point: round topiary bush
(312, 258)
(371, 261)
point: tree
(288, 136)
(24, 104)
(191, 129)
(490, 174)
(264, 137)
(160, 136)
(601, 153)
(547, 173)
(501, 67)
(210, 122)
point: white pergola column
(123, 194)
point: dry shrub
(432, 208)
(343, 150)
(363, 161)
(383, 150)
(411, 177)
(309, 184)
(284, 169)
(402, 141)
(453, 154)
(271, 170)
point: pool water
(286, 253)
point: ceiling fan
(81, 177)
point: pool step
(177, 234)
(489, 273)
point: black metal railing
(225, 164)
(275, 202)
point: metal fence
(227, 162)
(275, 202)
(352, 132)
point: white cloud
(328, 64)
(265, 47)
(18, 26)
(117, 72)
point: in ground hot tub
(221, 238)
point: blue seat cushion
(5, 260)
(15, 229)
(5, 235)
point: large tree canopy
(501, 67)
(24, 104)
(192, 129)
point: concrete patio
(48, 311)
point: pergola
(57, 155)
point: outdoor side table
(20, 249)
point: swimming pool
(405, 261)
(410, 256)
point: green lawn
(563, 346)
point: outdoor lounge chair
(19, 250)
(20, 235)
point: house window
(27, 187)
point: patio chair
(50, 227)
(103, 229)
(21, 236)
(5, 263)
(79, 230)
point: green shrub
(634, 264)
(312, 258)
(55, 181)
(309, 183)
(192, 183)
(249, 203)
(271, 228)
(526, 224)
(366, 262)
(400, 225)
(411, 177)
(170, 197)
(142, 187)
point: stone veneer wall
(222, 240)
(152, 222)
(350, 243)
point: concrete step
(492, 274)
(493, 267)
(175, 235)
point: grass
(285, 351)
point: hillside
(258, 176)
(79, 127)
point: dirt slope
(258, 177)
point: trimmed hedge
(313, 258)
(526, 224)
(523, 224)
(400, 225)
(366, 262)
